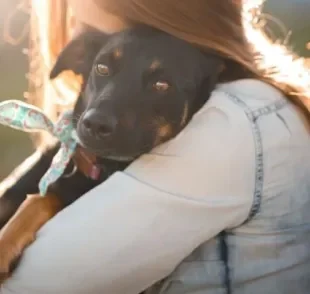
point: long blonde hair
(229, 27)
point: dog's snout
(97, 124)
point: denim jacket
(223, 208)
(269, 253)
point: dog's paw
(11, 249)
(15, 236)
(22, 228)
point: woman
(224, 207)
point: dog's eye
(102, 69)
(161, 86)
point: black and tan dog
(141, 87)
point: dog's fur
(155, 83)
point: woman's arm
(135, 228)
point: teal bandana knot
(28, 118)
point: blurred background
(15, 146)
(283, 16)
(290, 17)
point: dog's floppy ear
(79, 54)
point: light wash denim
(224, 208)
(270, 252)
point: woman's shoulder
(238, 105)
(250, 94)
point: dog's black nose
(97, 124)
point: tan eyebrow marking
(163, 132)
(118, 53)
(155, 65)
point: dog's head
(142, 87)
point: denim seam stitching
(259, 172)
(269, 109)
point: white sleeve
(136, 227)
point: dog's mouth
(124, 143)
(110, 153)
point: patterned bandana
(28, 118)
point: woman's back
(270, 251)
